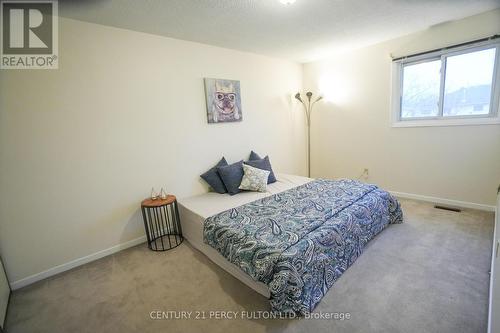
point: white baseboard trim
(449, 202)
(75, 263)
(98, 255)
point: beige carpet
(429, 274)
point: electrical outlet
(364, 175)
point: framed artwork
(223, 100)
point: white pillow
(254, 179)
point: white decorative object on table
(163, 194)
(154, 195)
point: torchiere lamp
(308, 106)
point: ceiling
(304, 31)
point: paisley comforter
(300, 241)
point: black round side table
(162, 224)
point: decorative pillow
(263, 164)
(254, 179)
(254, 156)
(231, 176)
(213, 179)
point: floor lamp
(308, 106)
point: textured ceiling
(304, 31)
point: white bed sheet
(195, 210)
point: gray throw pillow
(254, 156)
(263, 164)
(231, 175)
(213, 179)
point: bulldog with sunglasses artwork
(223, 100)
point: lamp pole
(308, 109)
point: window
(455, 86)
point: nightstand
(161, 222)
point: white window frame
(397, 89)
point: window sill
(447, 122)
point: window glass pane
(421, 90)
(468, 83)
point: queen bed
(291, 243)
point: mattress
(195, 210)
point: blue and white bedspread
(299, 242)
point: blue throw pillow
(254, 156)
(213, 179)
(232, 175)
(263, 164)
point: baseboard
(75, 263)
(81, 261)
(449, 202)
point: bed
(293, 242)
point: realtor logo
(29, 34)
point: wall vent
(452, 209)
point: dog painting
(223, 100)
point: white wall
(354, 131)
(81, 146)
